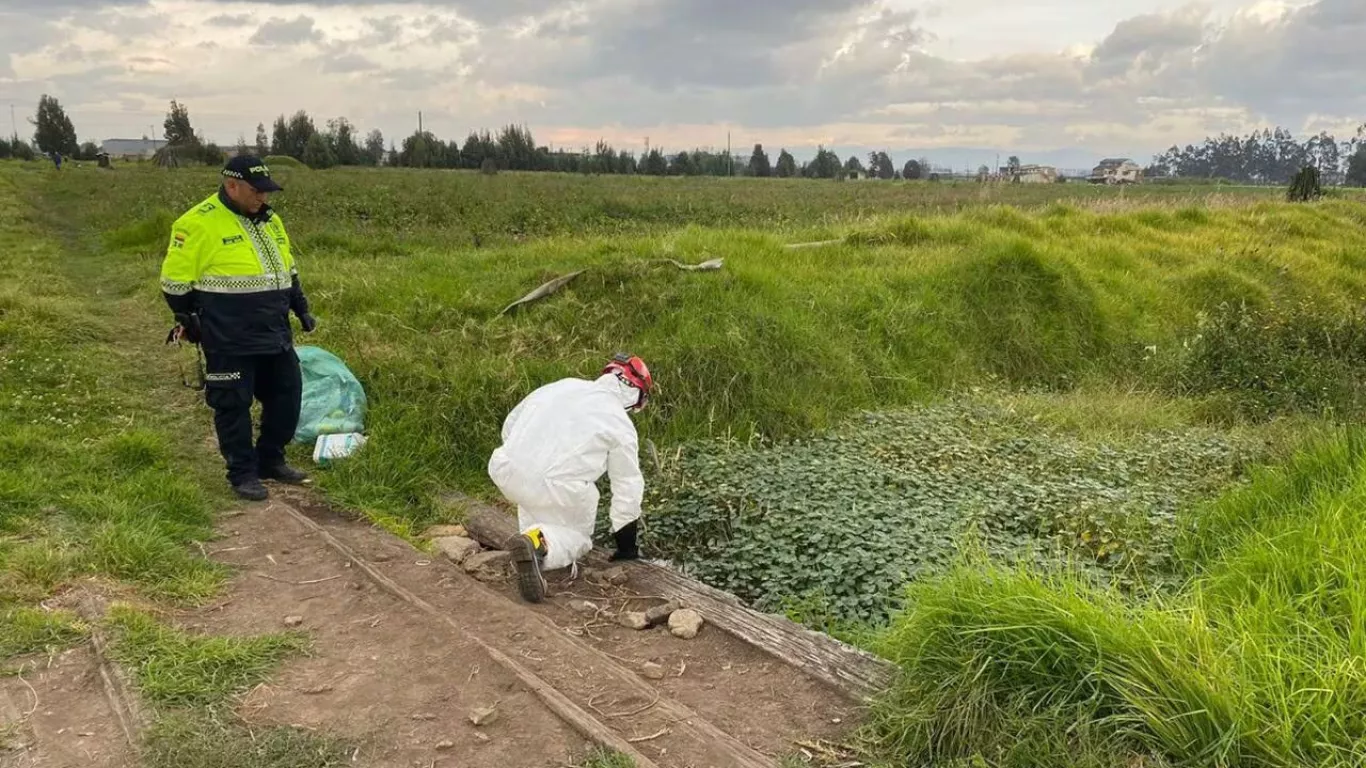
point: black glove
(308, 322)
(626, 543)
(190, 330)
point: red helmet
(632, 370)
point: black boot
(251, 490)
(285, 474)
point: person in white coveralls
(556, 444)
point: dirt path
(404, 682)
(54, 714)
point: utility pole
(419, 121)
(14, 126)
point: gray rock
(633, 620)
(490, 565)
(483, 716)
(293, 621)
(652, 671)
(661, 613)
(456, 548)
(685, 623)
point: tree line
(1266, 157)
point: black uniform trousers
(231, 383)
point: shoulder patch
(207, 208)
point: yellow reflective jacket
(237, 274)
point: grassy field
(101, 483)
(1096, 371)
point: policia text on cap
(230, 279)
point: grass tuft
(176, 669)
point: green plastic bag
(333, 400)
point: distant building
(1117, 171)
(1037, 174)
(131, 149)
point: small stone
(85, 734)
(661, 613)
(447, 744)
(293, 621)
(652, 670)
(456, 548)
(481, 736)
(423, 716)
(685, 623)
(633, 620)
(494, 560)
(354, 585)
(583, 606)
(483, 716)
(615, 575)
(442, 531)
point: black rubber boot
(285, 474)
(527, 550)
(251, 490)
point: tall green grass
(91, 482)
(1108, 289)
(1256, 663)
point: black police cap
(253, 171)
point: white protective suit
(556, 444)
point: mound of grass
(1254, 664)
(180, 670)
(283, 161)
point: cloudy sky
(1100, 76)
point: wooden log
(855, 673)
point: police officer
(230, 279)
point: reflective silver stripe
(242, 283)
(266, 253)
(175, 287)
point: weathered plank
(856, 673)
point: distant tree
(1356, 167)
(212, 154)
(913, 170)
(421, 150)
(825, 165)
(177, 130)
(394, 158)
(1306, 186)
(341, 140)
(983, 172)
(23, 150)
(290, 136)
(1013, 166)
(787, 165)
(374, 147)
(852, 165)
(489, 167)
(682, 165)
(758, 163)
(242, 147)
(317, 153)
(880, 165)
(279, 136)
(262, 142)
(6, 149)
(87, 151)
(655, 164)
(53, 131)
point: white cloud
(1124, 76)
